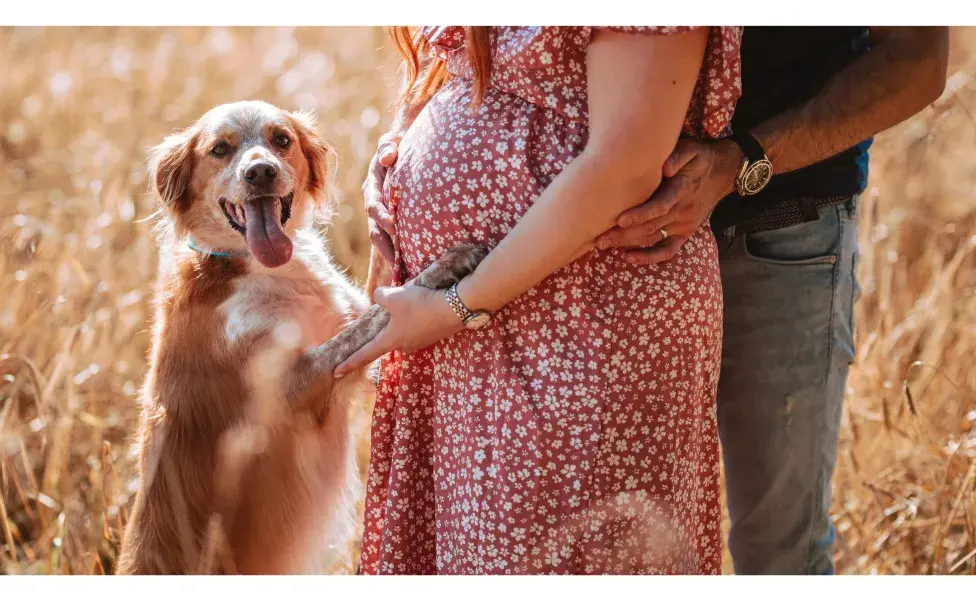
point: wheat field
(80, 106)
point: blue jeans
(788, 343)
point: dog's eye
(220, 149)
(282, 140)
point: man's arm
(902, 73)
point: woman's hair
(423, 80)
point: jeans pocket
(812, 243)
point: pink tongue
(265, 237)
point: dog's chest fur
(304, 303)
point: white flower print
(582, 420)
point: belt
(788, 213)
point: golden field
(80, 106)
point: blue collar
(217, 253)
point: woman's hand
(419, 317)
(382, 230)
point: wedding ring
(664, 234)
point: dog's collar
(211, 252)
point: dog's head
(243, 177)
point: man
(812, 99)
(782, 196)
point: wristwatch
(472, 319)
(756, 170)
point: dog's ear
(170, 169)
(319, 155)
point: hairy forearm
(581, 203)
(894, 80)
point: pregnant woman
(555, 412)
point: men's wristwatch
(472, 319)
(756, 170)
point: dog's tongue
(265, 237)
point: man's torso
(783, 67)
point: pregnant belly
(468, 178)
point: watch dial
(757, 176)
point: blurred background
(80, 106)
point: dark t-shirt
(781, 68)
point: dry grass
(904, 498)
(78, 108)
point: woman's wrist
(477, 295)
(470, 292)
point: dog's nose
(260, 173)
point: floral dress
(577, 432)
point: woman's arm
(639, 90)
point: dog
(245, 449)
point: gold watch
(757, 170)
(472, 319)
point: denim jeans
(788, 343)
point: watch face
(477, 320)
(756, 177)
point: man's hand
(696, 176)
(382, 230)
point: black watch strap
(749, 145)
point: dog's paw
(464, 259)
(453, 266)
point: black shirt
(781, 68)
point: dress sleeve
(719, 83)
(444, 40)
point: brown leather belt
(788, 213)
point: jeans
(788, 343)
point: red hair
(423, 81)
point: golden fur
(245, 452)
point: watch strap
(462, 311)
(749, 145)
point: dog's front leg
(312, 384)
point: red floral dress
(577, 432)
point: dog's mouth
(261, 221)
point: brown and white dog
(246, 458)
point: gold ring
(664, 234)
